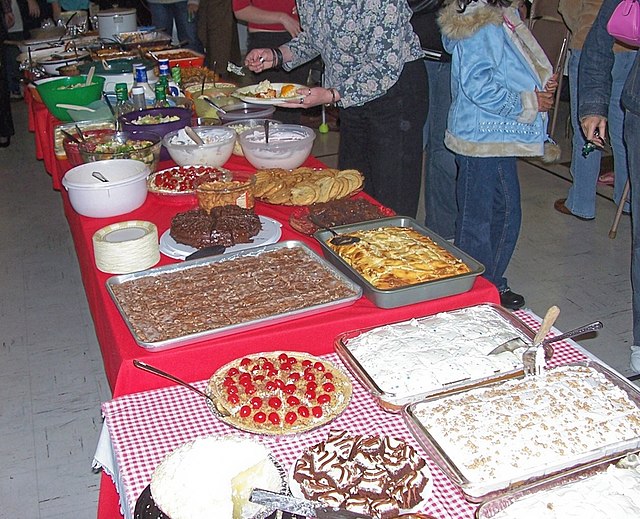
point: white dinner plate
(270, 233)
(245, 94)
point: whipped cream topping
(423, 355)
(613, 493)
(526, 427)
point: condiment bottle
(138, 98)
(141, 80)
(123, 105)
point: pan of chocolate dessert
(497, 438)
(398, 262)
(178, 304)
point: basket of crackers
(305, 186)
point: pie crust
(280, 392)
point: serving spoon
(156, 371)
(338, 239)
(193, 135)
(207, 100)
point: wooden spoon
(89, 80)
(193, 135)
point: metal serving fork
(533, 357)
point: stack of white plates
(125, 247)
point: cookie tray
(394, 403)
(244, 326)
(411, 294)
(478, 491)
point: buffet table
(140, 429)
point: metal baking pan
(413, 293)
(490, 508)
(476, 347)
(248, 325)
(477, 491)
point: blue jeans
(581, 200)
(163, 16)
(489, 213)
(632, 139)
(441, 208)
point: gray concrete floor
(51, 377)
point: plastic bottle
(138, 98)
(123, 104)
(176, 74)
(161, 95)
(165, 72)
(141, 80)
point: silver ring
(261, 59)
(309, 93)
(302, 100)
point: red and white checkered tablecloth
(144, 427)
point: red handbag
(624, 24)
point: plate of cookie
(305, 186)
(281, 392)
(343, 211)
(374, 475)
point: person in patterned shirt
(374, 73)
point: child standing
(501, 85)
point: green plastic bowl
(61, 91)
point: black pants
(383, 140)
(6, 121)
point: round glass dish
(214, 193)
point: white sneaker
(635, 358)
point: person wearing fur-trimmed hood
(502, 85)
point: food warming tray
(416, 293)
(244, 326)
(477, 491)
(510, 325)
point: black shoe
(4, 142)
(511, 300)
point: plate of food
(281, 392)
(343, 211)
(375, 475)
(180, 180)
(268, 93)
(184, 483)
(305, 186)
(270, 232)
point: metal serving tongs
(219, 412)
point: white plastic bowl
(288, 147)
(125, 191)
(216, 150)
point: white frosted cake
(213, 477)
(528, 427)
(614, 493)
(422, 355)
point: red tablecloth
(144, 427)
(313, 334)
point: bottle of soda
(176, 74)
(161, 95)
(165, 72)
(123, 105)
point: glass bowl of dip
(288, 147)
(215, 151)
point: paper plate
(125, 247)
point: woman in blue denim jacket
(501, 85)
(594, 78)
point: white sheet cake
(417, 356)
(613, 493)
(531, 426)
